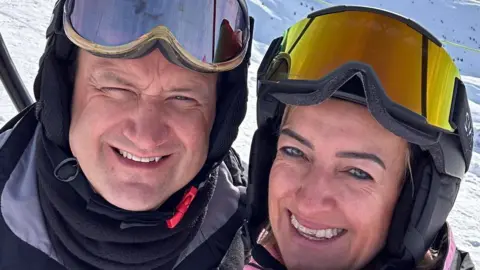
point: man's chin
(135, 197)
(136, 205)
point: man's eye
(183, 98)
(113, 89)
(292, 152)
(359, 174)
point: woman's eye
(359, 174)
(292, 152)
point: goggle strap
(249, 48)
(462, 118)
(272, 51)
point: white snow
(23, 24)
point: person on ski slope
(125, 160)
(364, 135)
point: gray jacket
(23, 218)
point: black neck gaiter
(89, 233)
(265, 259)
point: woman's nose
(317, 193)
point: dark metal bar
(11, 80)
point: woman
(365, 128)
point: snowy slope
(23, 23)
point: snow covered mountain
(23, 24)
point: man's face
(140, 127)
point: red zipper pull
(182, 207)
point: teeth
(314, 234)
(138, 159)
(328, 233)
(320, 234)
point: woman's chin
(302, 251)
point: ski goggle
(409, 64)
(206, 36)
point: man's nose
(149, 126)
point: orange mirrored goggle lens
(413, 71)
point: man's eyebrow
(298, 137)
(362, 155)
(111, 76)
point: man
(125, 160)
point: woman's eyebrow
(298, 137)
(362, 155)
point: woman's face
(333, 186)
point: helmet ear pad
(232, 97)
(53, 88)
(262, 155)
(425, 201)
